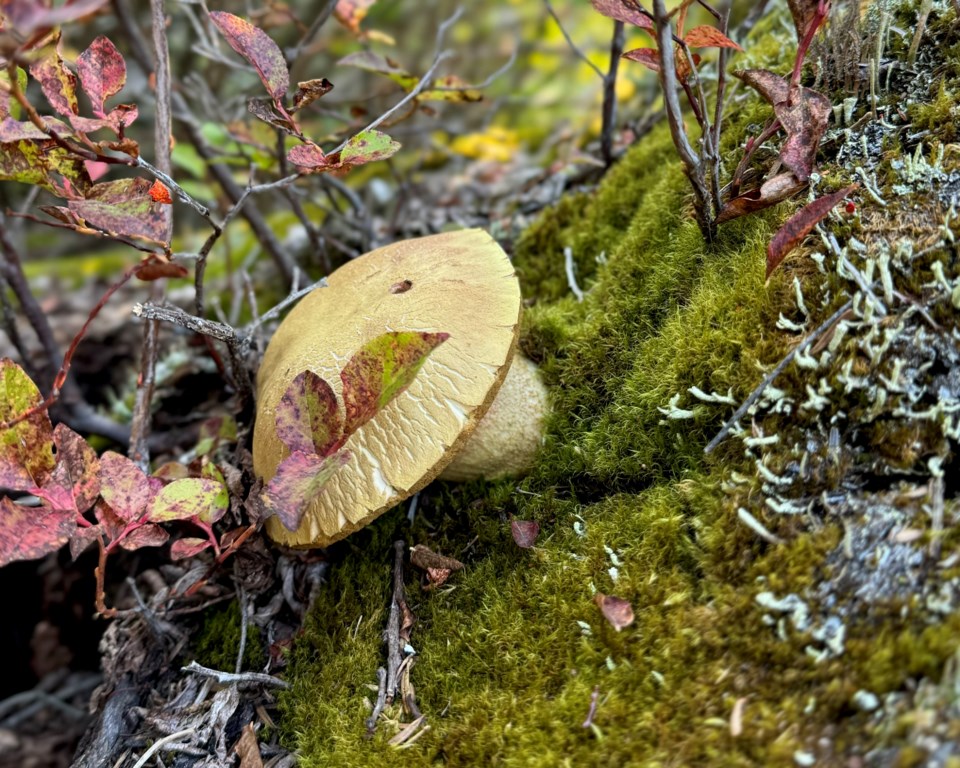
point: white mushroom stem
(509, 435)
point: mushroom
(460, 283)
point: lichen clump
(796, 592)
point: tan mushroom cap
(461, 283)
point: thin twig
(244, 621)
(392, 632)
(769, 378)
(422, 83)
(214, 330)
(610, 94)
(371, 721)
(591, 713)
(692, 165)
(160, 744)
(316, 25)
(573, 46)
(271, 313)
(229, 678)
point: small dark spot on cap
(402, 287)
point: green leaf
(381, 370)
(10, 107)
(183, 499)
(299, 480)
(38, 161)
(368, 146)
(26, 449)
(308, 416)
(219, 506)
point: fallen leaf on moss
(524, 532)
(616, 610)
(425, 558)
(800, 225)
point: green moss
(218, 643)
(510, 651)
(939, 116)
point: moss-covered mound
(796, 592)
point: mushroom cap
(460, 283)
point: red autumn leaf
(525, 532)
(123, 208)
(615, 610)
(299, 480)
(29, 15)
(771, 192)
(627, 11)
(26, 449)
(257, 48)
(708, 37)
(124, 487)
(800, 225)
(649, 57)
(308, 416)
(159, 193)
(190, 497)
(102, 72)
(27, 533)
(109, 522)
(75, 481)
(351, 12)
(381, 370)
(146, 535)
(188, 547)
(83, 538)
(307, 156)
(116, 120)
(804, 120)
(154, 270)
(57, 82)
(96, 169)
(804, 12)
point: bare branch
(229, 678)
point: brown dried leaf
(248, 749)
(771, 192)
(804, 119)
(424, 558)
(708, 37)
(800, 225)
(309, 91)
(615, 610)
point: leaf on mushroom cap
(460, 283)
